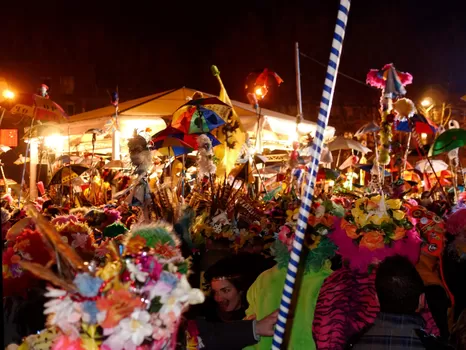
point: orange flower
(400, 232)
(119, 305)
(327, 220)
(165, 250)
(372, 240)
(350, 229)
(312, 220)
(135, 244)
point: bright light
(426, 102)
(331, 183)
(423, 136)
(260, 91)
(8, 94)
(55, 142)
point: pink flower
(286, 236)
(64, 342)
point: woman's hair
(458, 333)
(227, 269)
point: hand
(265, 327)
(250, 318)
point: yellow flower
(110, 273)
(398, 215)
(360, 217)
(315, 243)
(393, 204)
(378, 220)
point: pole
(299, 101)
(306, 201)
(116, 138)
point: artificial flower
(394, 204)
(315, 242)
(350, 229)
(65, 313)
(165, 250)
(399, 233)
(135, 244)
(372, 240)
(286, 236)
(115, 306)
(109, 273)
(378, 219)
(135, 273)
(151, 265)
(398, 215)
(79, 240)
(292, 215)
(68, 343)
(131, 331)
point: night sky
(149, 48)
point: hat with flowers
(374, 228)
(321, 222)
(134, 301)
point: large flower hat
(375, 228)
(135, 301)
(322, 221)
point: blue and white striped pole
(306, 201)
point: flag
(227, 156)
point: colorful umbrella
(423, 125)
(170, 146)
(390, 80)
(448, 141)
(190, 139)
(327, 174)
(38, 107)
(67, 173)
(201, 115)
(368, 168)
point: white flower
(65, 312)
(181, 295)
(136, 274)
(131, 331)
(320, 211)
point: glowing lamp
(426, 102)
(8, 94)
(260, 92)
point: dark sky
(145, 48)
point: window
(70, 109)
(9, 137)
(67, 85)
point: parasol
(9, 182)
(115, 164)
(170, 146)
(424, 166)
(201, 115)
(327, 174)
(4, 149)
(368, 168)
(448, 141)
(368, 128)
(67, 173)
(190, 139)
(21, 160)
(343, 143)
(38, 107)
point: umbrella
(38, 107)
(422, 125)
(368, 168)
(21, 160)
(4, 149)
(170, 146)
(342, 143)
(368, 128)
(201, 115)
(190, 139)
(115, 164)
(438, 165)
(67, 173)
(448, 141)
(9, 182)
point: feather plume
(46, 274)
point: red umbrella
(40, 108)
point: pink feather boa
(375, 77)
(360, 258)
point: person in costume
(265, 294)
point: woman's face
(226, 295)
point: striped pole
(306, 201)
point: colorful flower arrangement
(134, 302)
(373, 229)
(321, 223)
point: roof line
(152, 99)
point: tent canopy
(155, 111)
